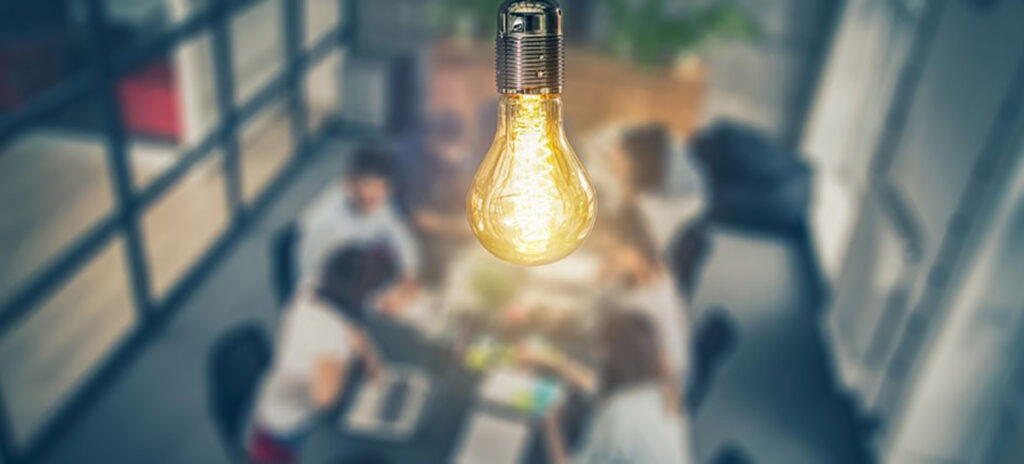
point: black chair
(731, 454)
(687, 255)
(284, 272)
(365, 457)
(755, 182)
(716, 337)
(234, 368)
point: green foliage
(469, 18)
(639, 29)
(643, 32)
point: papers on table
(489, 439)
(389, 406)
(520, 391)
(423, 313)
(572, 277)
(581, 268)
(498, 431)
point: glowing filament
(531, 202)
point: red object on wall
(149, 103)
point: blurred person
(640, 281)
(637, 419)
(435, 180)
(320, 340)
(485, 125)
(359, 210)
(658, 178)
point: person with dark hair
(359, 210)
(435, 178)
(633, 269)
(659, 179)
(637, 417)
(645, 152)
(321, 336)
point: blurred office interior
(152, 152)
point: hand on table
(556, 447)
(371, 357)
(444, 224)
(546, 357)
(531, 355)
(396, 299)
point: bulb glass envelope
(531, 201)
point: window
(185, 222)
(54, 187)
(45, 357)
(119, 182)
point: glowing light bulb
(531, 201)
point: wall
(873, 43)
(769, 83)
(955, 406)
(916, 124)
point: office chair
(756, 183)
(715, 338)
(365, 457)
(688, 254)
(731, 454)
(235, 366)
(284, 273)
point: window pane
(321, 16)
(182, 225)
(168, 107)
(266, 146)
(322, 85)
(134, 20)
(45, 357)
(257, 47)
(137, 21)
(54, 186)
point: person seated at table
(359, 210)
(659, 179)
(631, 264)
(320, 339)
(637, 417)
(434, 183)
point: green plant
(639, 29)
(643, 31)
(476, 19)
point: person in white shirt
(435, 175)
(359, 210)
(658, 177)
(321, 337)
(641, 283)
(637, 418)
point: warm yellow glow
(531, 201)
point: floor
(48, 353)
(156, 411)
(773, 396)
(91, 313)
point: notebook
(490, 439)
(389, 406)
(520, 391)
